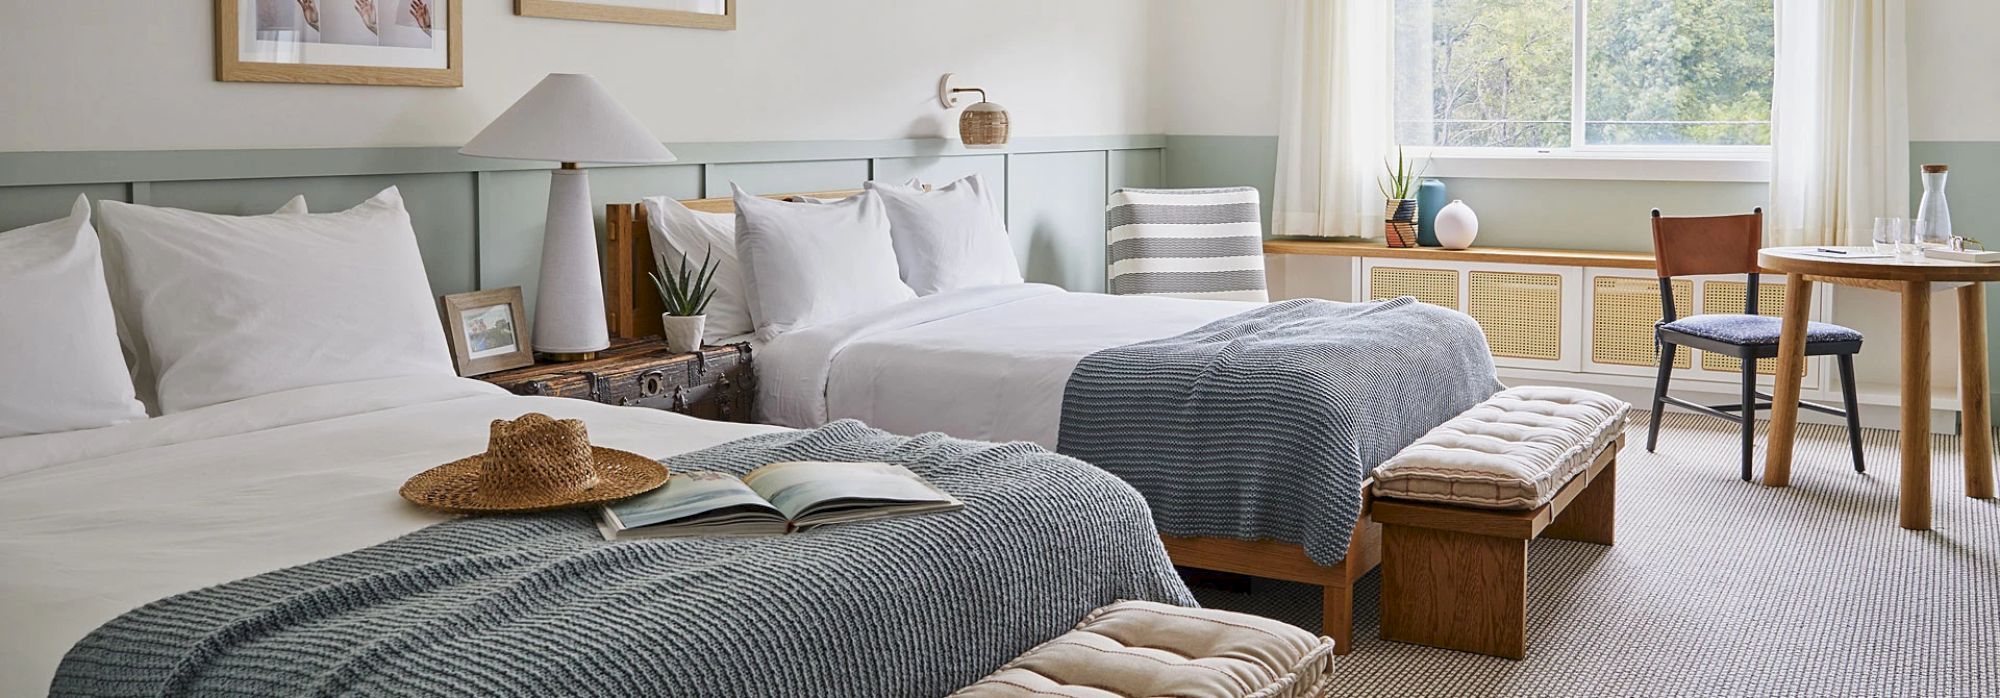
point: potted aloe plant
(1399, 212)
(685, 294)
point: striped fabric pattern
(1263, 424)
(1188, 243)
(541, 605)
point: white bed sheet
(95, 523)
(987, 363)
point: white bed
(94, 523)
(986, 363)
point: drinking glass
(1892, 237)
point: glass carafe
(1933, 215)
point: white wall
(1217, 66)
(1953, 61)
(138, 74)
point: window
(1584, 75)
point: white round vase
(683, 331)
(1457, 226)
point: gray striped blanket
(1190, 243)
(543, 606)
(1263, 425)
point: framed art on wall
(699, 14)
(488, 330)
(340, 42)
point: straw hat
(534, 463)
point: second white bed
(987, 363)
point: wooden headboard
(632, 305)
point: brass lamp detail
(983, 124)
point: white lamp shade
(568, 117)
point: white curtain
(1334, 127)
(1840, 151)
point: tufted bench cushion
(1513, 451)
(1131, 649)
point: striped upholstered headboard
(1190, 243)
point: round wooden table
(1916, 280)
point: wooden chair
(1697, 246)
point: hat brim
(454, 487)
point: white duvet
(986, 363)
(94, 523)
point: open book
(774, 499)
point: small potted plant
(1399, 212)
(685, 295)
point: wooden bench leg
(1337, 616)
(1455, 590)
(1591, 516)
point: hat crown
(534, 457)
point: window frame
(1582, 160)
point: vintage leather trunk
(717, 383)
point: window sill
(1599, 165)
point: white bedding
(986, 363)
(94, 523)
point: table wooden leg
(1785, 395)
(1972, 395)
(1915, 509)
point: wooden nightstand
(716, 383)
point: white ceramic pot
(1457, 226)
(683, 331)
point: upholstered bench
(1459, 506)
(1131, 649)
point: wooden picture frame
(611, 12)
(231, 66)
(498, 312)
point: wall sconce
(983, 124)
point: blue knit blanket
(543, 606)
(1263, 425)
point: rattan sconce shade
(983, 125)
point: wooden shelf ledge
(1490, 255)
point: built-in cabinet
(1580, 319)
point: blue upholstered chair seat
(1755, 330)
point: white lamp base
(569, 298)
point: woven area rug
(1719, 587)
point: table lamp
(569, 118)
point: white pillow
(805, 264)
(60, 368)
(138, 357)
(233, 306)
(676, 230)
(948, 238)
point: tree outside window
(1652, 73)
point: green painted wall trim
(87, 167)
(1974, 192)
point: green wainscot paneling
(513, 207)
(479, 221)
(1612, 215)
(1974, 192)
(938, 171)
(786, 177)
(1136, 169)
(25, 206)
(1225, 161)
(1055, 216)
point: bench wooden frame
(1457, 577)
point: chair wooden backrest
(1704, 245)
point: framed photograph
(340, 42)
(699, 14)
(489, 331)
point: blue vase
(1430, 200)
